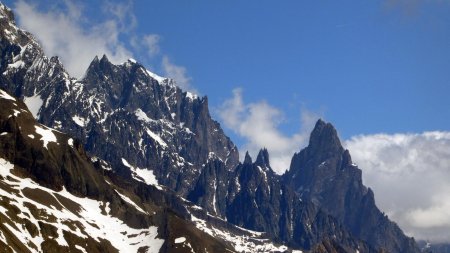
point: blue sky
(270, 69)
(366, 66)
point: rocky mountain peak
(104, 58)
(263, 158)
(99, 67)
(8, 28)
(324, 138)
(247, 159)
(324, 173)
(6, 13)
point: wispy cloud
(409, 174)
(151, 43)
(258, 123)
(178, 73)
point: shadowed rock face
(258, 199)
(324, 174)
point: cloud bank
(258, 123)
(409, 174)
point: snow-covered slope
(63, 219)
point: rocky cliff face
(324, 174)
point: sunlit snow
(34, 104)
(47, 135)
(6, 96)
(142, 175)
(180, 239)
(79, 121)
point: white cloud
(151, 43)
(258, 123)
(178, 73)
(62, 34)
(409, 174)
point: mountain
(324, 173)
(147, 155)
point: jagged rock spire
(263, 158)
(324, 139)
(247, 159)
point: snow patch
(78, 247)
(80, 121)
(47, 135)
(148, 176)
(129, 201)
(141, 115)
(16, 65)
(34, 104)
(156, 138)
(159, 79)
(238, 185)
(16, 112)
(180, 240)
(142, 175)
(191, 95)
(242, 243)
(6, 96)
(214, 197)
